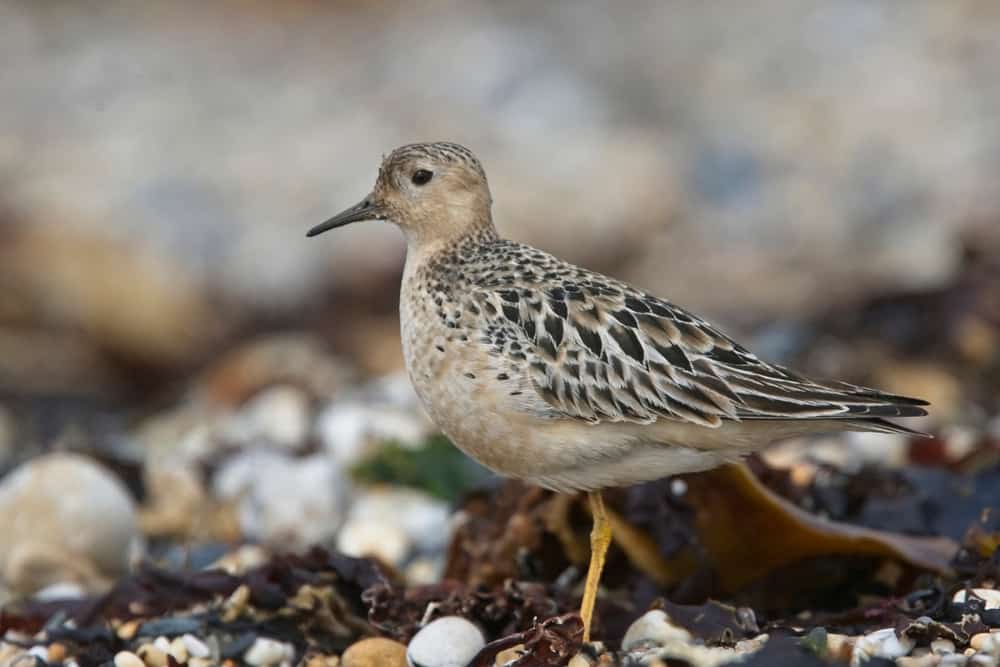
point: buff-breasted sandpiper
(566, 378)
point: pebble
(839, 647)
(987, 642)
(178, 650)
(61, 590)
(653, 629)
(195, 647)
(56, 652)
(942, 646)
(153, 655)
(929, 660)
(128, 629)
(64, 518)
(265, 652)
(374, 652)
(991, 597)
(352, 430)
(128, 659)
(292, 502)
(450, 641)
(881, 644)
(278, 415)
(391, 522)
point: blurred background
(818, 178)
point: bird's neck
(426, 242)
(440, 251)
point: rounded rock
(390, 523)
(882, 643)
(273, 491)
(986, 642)
(374, 652)
(450, 641)
(653, 629)
(990, 597)
(279, 415)
(942, 646)
(128, 659)
(266, 652)
(64, 519)
(153, 656)
(196, 648)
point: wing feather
(601, 351)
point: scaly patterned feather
(596, 349)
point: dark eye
(421, 176)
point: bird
(568, 379)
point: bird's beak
(365, 210)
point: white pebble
(128, 659)
(283, 500)
(881, 644)
(278, 415)
(178, 650)
(942, 646)
(990, 596)
(195, 647)
(450, 641)
(266, 652)
(352, 430)
(653, 629)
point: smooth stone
(882, 644)
(265, 652)
(195, 647)
(942, 646)
(374, 652)
(990, 596)
(929, 660)
(128, 659)
(153, 655)
(278, 415)
(61, 590)
(653, 629)
(281, 500)
(987, 642)
(65, 519)
(450, 641)
(56, 652)
(391, 522)
(352, 430)
(178, 650)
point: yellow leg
(600, 539)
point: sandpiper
(566, 378)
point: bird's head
(432, 191)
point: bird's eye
(421, 176)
